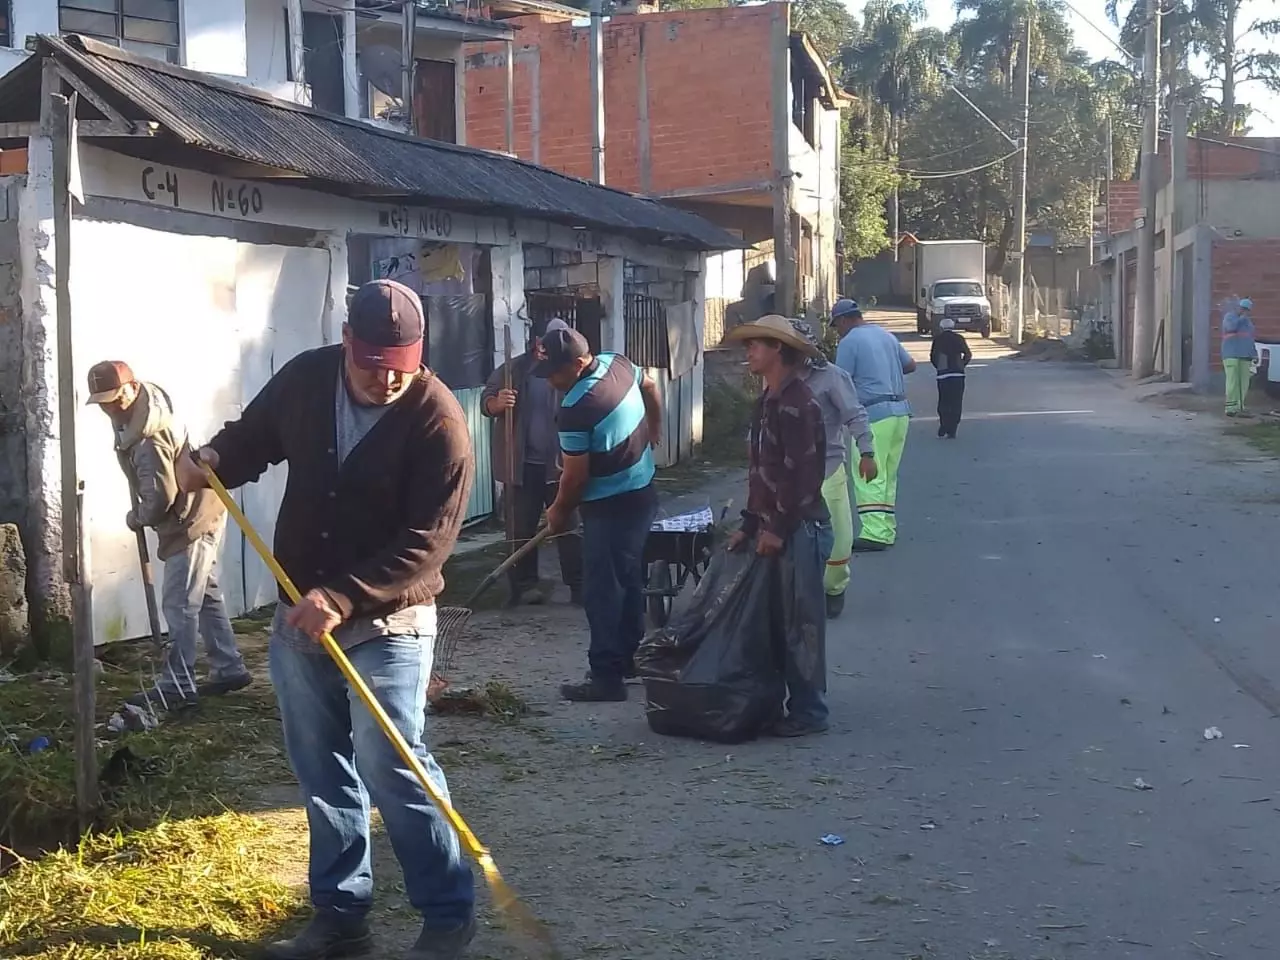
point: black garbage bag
(715, 672)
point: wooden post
(509, 428)
(56, 124)
(409, 26)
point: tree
(866, 183)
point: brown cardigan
(375, 531)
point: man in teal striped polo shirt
(610, 419)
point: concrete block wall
(687, 97)
(13, 444)
(1245, 268)
(546, 268)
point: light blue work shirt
(874, 358)
(1237, 337)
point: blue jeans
(614, 532)
(804, 598)
(343, 763)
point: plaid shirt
(788, 461)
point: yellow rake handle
(478, 852)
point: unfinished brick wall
(1123, 199)
(1245, 268)
(702, 76)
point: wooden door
(435, 115)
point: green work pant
(1239, 373)
(877, 499)
(835, 491)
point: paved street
(1083, 584)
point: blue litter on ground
(831, 840)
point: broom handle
(507, 564)
(470, 841)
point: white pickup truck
(949, 285)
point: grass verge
(195, 763)
(1263, 437)
(179, 890)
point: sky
(1266, 118)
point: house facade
(725, 111)
(214, 231)
(1217, 240)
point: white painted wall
(245, 310)
(210, 319)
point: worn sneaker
(835, 605)
(434, 944)
(220, 686)
(326, 936)
(164, 698)
(789, 727)
(594, 690)
(862, 545)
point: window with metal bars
(146, 27)
(6, 30)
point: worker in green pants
(876, 361)
(845, 422)
(1238, 355)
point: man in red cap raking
(380, 470)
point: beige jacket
(148, 447)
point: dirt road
(1083, 585)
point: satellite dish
(381, 66)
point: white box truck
(951, 283)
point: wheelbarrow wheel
(659, 593)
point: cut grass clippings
(179, 890)
(1263, 437)
(197, 763)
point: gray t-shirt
(541, 442)
(352, 422)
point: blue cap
(1246, 303)
(844, 308)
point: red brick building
(1218, 240)
(726, 111)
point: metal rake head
(451, 623)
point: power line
(958, 173)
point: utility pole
(1020, 225)
(409, 27)
(597, 91)
(1144, 317)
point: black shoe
(165, 698)
(575, 596)
(594, 690)
(326, 936)
(869, 546)
(435, 944)
(835, 605)
(942, 432)
(789, 727)
(951, 435)
(220, 686)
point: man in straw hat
(786, 516)
(845, 422)
(380, 471)
(876, 361)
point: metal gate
(645, 321)
(582, 313)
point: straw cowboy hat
(774, 327)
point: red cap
(386, 326)
(107, 379)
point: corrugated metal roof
(235, 121)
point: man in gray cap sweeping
(150, 441)
(380, 470)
